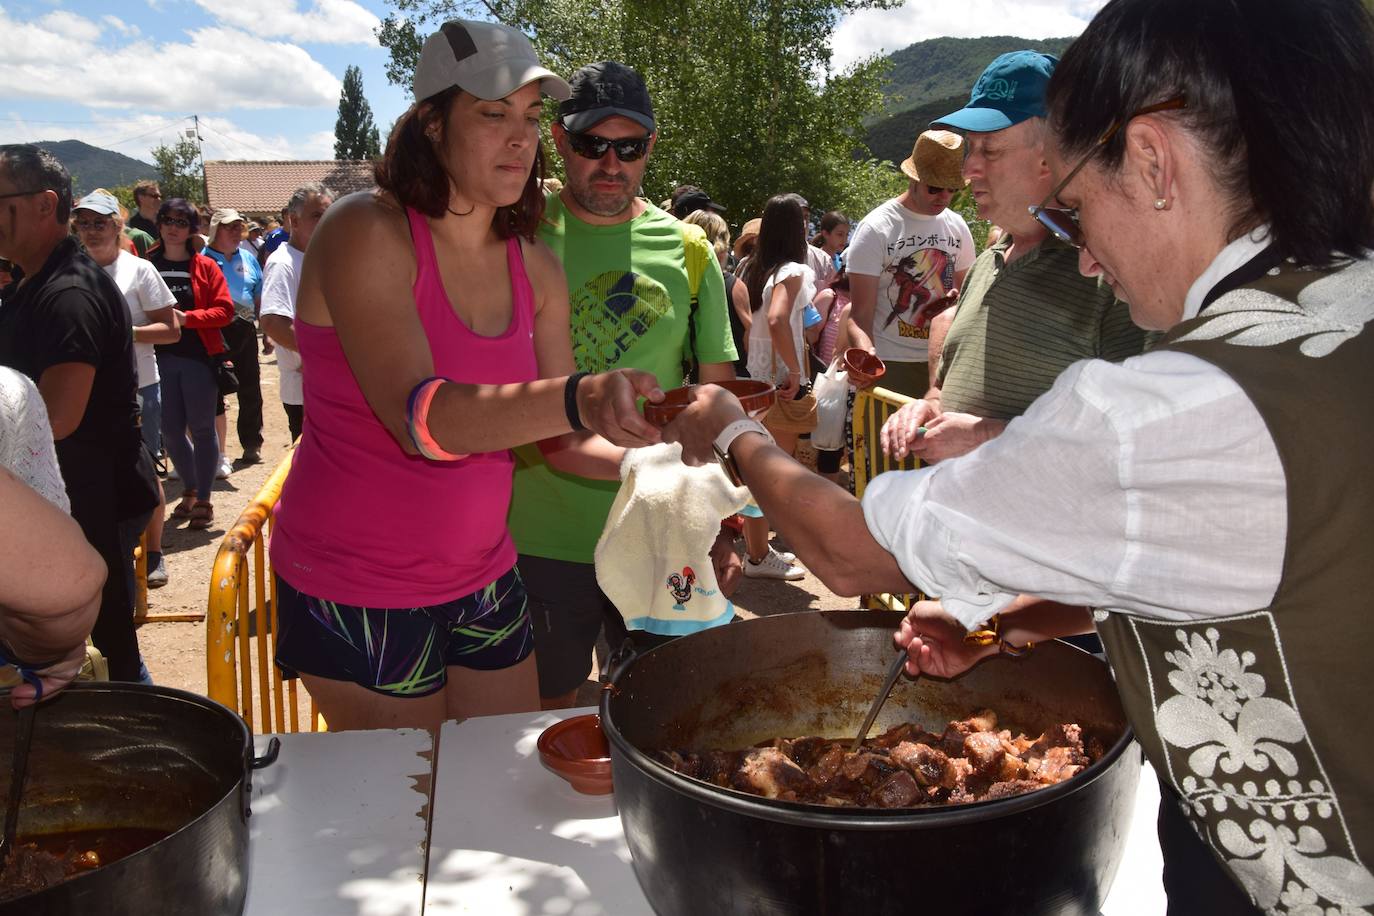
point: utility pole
(200, 149)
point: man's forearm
(863, 292)
(280, 329)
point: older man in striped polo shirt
(1025, 312)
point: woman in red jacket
(187, 367)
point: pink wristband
(417, 420)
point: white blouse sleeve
(26, 446)
(1151, 486)
(152, 289)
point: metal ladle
(23, 738)
(893, 673)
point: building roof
(264, 187)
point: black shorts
(568, 610)
(403, 652)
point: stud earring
(1160, 203)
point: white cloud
(222, 138)
(70, 26)
(884, 31)
(119, 25)
(325, 22)
(61, 57)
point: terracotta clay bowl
(863, 367)
(755, 397)
(576, 750)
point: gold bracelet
(992, 634)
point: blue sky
(264, 75)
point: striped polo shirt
(1020, 324)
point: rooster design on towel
(680, 584)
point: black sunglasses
(1063, 221)
(590, 146)
(177, 221)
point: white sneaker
(772, 566)
(786, 555)
(225, 469)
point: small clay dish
(576, 750)
(863, 367)
(755, 397)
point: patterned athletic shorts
(403, 652)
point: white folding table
(339, 824)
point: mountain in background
(92, 167)
(932, 78)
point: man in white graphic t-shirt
(281, 278)
(907, 261)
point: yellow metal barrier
(241, 623)
(872, 407)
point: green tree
(747, 101)
(179, 172)
(124, 193)
(964, 204)
(355, 136)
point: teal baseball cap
(1010, 90)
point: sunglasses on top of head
(1063, 221)
(590, 146)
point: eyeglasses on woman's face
(98, 224)
(1063, 221)
(178, 222)
(590, 146)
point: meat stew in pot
(972, 760)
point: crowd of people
(1141, 408)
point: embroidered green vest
(1261, 721)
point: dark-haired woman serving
(1209, 501)
(427, 316)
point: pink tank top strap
(521, 290)
(429, 284)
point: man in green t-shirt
(626, 262)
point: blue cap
(1010, 90)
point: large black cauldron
(701, 849)
(128, 756)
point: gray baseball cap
(487, 59)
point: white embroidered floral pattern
(1279, 836)
(1253, 318)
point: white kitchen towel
(654, 557)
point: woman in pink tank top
(434, 337)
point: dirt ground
(175, 652)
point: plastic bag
(831, 389)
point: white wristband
(729, 434)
